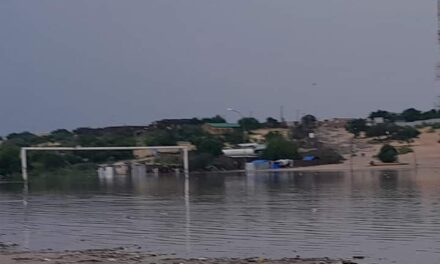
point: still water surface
(389, 216)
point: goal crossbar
(24, 150)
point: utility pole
(438, 36)
(282, 114)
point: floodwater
(389, 216)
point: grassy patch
(404, 150)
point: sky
(78, 63)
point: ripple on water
(325, 214)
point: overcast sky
(65, 64)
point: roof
(224, 125)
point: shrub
(435, 126)
(200, 161)
(405, 133)
(9, 160)
(404, 150)
(388, 154)
(280, 148)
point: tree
(200, 161)
(188, 133)
(47, 160)
(309, 121)
(210, 145)
(431, 114)
(411, 114)
(271, 135)
(23, 139)
(272, 123)
(9, 160)
(356, 126)
(388, 154)
(235, 137)
(384, 114)
(61, 135)
(249, 123)
(160, 138)
(325, 154)
(405, 133)
(215, 119)
(380, 130)
(279, 148)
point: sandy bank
(426, 155)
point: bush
(249, 123)
(405, 133)
(329, 156)
(356, 126)
(200, 161)
(9, 160)
(388, 154)
(280, 148)
(210, 145)
(404, 150)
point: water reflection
(386, 215)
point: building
(220, 128)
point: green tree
(388, 154)
(430, 114)
(411, 114)
(47, 160)
(9, 160)
(300, 132)
(160, 138)
(380, 130)
(188, 133)
(235, 137)
(405, 133)
(249, 123)
(279, 148)
(309, 121)
(215, 119)
(61, 135)
(384, 114)
(23, 139)
(210, 145)
(200, 161)
(89, 140)
(272, 123)
(356, 126)
(272, 135)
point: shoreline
(120, 255)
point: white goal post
(23, 154)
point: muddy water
(388, 216)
